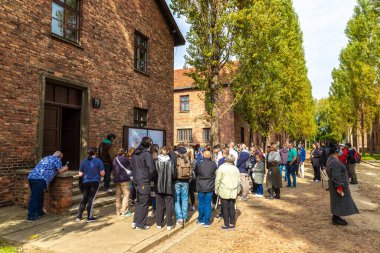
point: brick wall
(104, 62)
(196, 118)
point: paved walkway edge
(153, 241)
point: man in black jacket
(205, 172)
(351, 164)
(143, 168)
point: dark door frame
(84, 121)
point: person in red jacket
(343, 154)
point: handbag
(325, 179)
(126, 170)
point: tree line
(258, 44)
(353, 103)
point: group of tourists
(165, 176)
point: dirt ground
(299, 222)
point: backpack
(298, 160)
(184, 167)
(357, 157)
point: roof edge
(179, 40)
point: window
(206, 134)
(139, 118)
(141, 48)
(184, 103)
(65, 19)
(184, 135)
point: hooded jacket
(107, 151)
(242, 161)
(166, 174)
(142, 165)
(284, 153)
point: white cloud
(323, 23)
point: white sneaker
(133, 225)
(260, 196)
(109, 190)
(168, 228)
(159, 227)
(77, 219)
(143, 228)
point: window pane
(57, 27)
(71, 19)
(72, 3)
(57, 12)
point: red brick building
(72, 71)
(190, 116)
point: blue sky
(323, 23)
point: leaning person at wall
(39, 179)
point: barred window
(184, 134)
(206, 134)
(65, 19)
(184, 103)
(140, 117)
(141, 52)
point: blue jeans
(180, 199)
(204, 207)
(36, 202)
(283, 167)
(291, 170)
(260, 189)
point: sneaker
(219, 216)
(340, 222)
(91, 219)
(126, 214)
(206, 226)
(277, 197)
(192, 208)
(109, 190)
(133, 225)
(143, 228)
(232, 227)
(260, 196)
(200, 223)
(168, 228)
(153, 215)
(159, 227)
(225, 228)
(78, 219)
(180, 223)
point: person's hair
(111, 137)
(207, 147)
(121, 151)
(58, 154)
(164, 151)
(130, 151)
(260, 156)
(316, 145)
(154, 151)
(91, 154)
(230, 159)
(348, 145)
(169, 148)
(225, 151)
(243, 146)
(207, 154)
(274, 146)
(334, 148)
(146, 142)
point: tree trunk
(371, 143)
(362, 130)
(355, 136)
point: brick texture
(104, 62)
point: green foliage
(272, 64)
(354, 93)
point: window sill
(55, 36)
(142, 72)
(184, 111)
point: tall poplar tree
(210, 48)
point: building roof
(181, 81)
(184, 82)
(179, 40)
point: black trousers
(317, 173)
(89, 192)
(229, 212)
(142, 205)
(164, 205)
(192, 186)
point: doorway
(62, 120)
